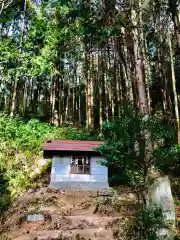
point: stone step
(77, 234)
(89, 186)
(57, 222)
(81, 222)
(65, 224)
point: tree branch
(4, 4)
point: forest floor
(178, 220)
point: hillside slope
(44, 214)
(68, 214)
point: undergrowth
(149, 224)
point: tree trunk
(139, 67)
(176, 108)
(88, 89)
(147, 71)
(173, 5)
(14, 95)
(140, 81)
(161, 74)
(25, 98)
(13, 105)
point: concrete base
(79, 185)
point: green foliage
(146, 224)
(5, 198)
(171, 157)
(177, 238)
(21, 145)
(5, 201)
(119, 148)
(175, 182)
(83, 134)
(124, 146)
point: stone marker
(160, 195)
(35, 217)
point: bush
(84, 134)
(145, 225)
(124, 146)
(171, 157)
(5, 201)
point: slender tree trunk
(88, 80)
(140, 81)
(103, 101)
(147, 71)
(96, 87)
(53, 99)
(139, 67)
(126, 68)
(14, 95)
(173, 8)
(100, 75)
(88, 86)
(114, 88)
(161, 73)
(60, 101)
(25, 98)
(176, 108)
(67, 105)
(82, 96)
(13, 105)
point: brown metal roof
(71, 145)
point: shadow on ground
(5, 197)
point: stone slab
(79, 185)
(35, 217)
(80, 192)
(160, 195)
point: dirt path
(67, 215)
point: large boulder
(160, 196)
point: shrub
(124, 146)
(146, 224)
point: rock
(93, 193)
(105, 192)
(165, 234)
(51, 190)
(102, 199)
(160, 195)
(49, 236)
(98, 202)
(31, 190)
(63, 191)
(95, 207)
(43, 190)
(127, 197)
(80, 192)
